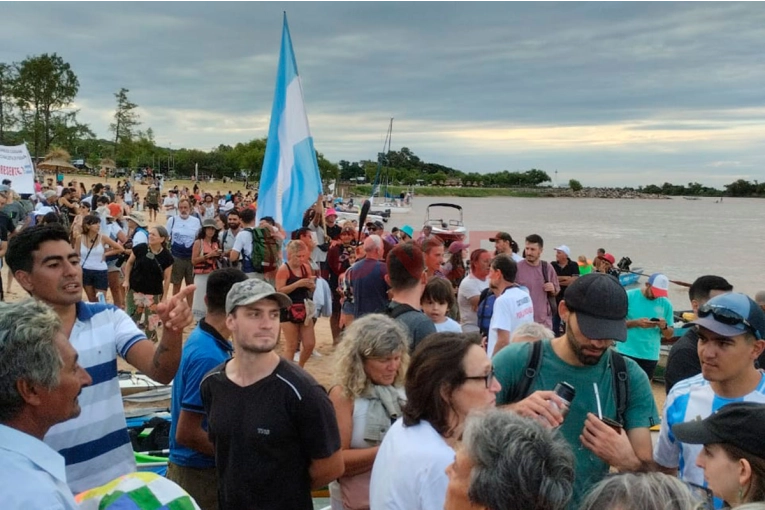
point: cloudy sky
(607, 93)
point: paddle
(676, 282)
(365, 207)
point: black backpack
(619, 377)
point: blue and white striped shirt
(692, 399)
(96, 445)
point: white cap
(564, 249)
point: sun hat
(503, 236)
(209, 222)
(406, 229)
(565, 249)
(659, 284)
(600, 304)
(732, 424)
(138, 218)
(732, 314)
(457, 247)
(251, 291)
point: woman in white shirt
(93, 248)
(371, 362)
(449, 376)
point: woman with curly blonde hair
(371, 362)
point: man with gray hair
(507, 462)
(367, 279)
(40, 380)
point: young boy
(436, 301)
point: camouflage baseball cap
(251, 291)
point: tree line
(37, 95)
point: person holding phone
(205, 255)
(594, 309)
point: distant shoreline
(454, 191)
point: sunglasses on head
(727, 317)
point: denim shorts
(96, 279)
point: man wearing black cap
(503, 242)
(594, 308)
(731, 331)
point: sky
(611, 94)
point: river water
(684, 239)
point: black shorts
(153, 207)
(96, 279)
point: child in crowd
(585, 267)
(436, 301)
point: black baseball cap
(600, 304)
(501, 235)
(732, 424)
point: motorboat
(445, 223)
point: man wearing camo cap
(291, 443)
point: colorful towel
(137, 491)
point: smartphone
(655, 319)
(613, 424)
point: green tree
(7, 118)
(125, 121)
(575, 185)
(45, 86)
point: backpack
(619, 377)
(396, 311)
(266, 250)
(485, 310)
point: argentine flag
(289, 182)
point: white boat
(137, 387)
(443, 225)
(345, 216)
(388, 204)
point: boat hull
(627, 279)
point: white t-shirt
(688, 400)
(409, 470)
(243, 245)
(140, 238)
(511, 309)
(170, 201)
(317, 255)
(449, 325)
(183, 233)
(470, 287)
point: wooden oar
(676, 282)
(363, 217)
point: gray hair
(373, 242)
(28, 351)
(640, 491)
(533, 330)
(371, 336)
(517, 463)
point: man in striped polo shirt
(731, 330)
(95, 445)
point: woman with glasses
(367, 397)
(449, 376)
(147, 278)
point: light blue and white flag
(289, 182)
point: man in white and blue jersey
(95, 445)
(192, 456)
(731, 330)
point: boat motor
(624, 264)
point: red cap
(610, 258)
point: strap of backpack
(521, 390)
(399, 309)
(621, 384)
(544, 271)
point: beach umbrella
(55, 160)
(108, 163)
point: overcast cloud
(607, 93)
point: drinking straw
(597, 400)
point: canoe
(631, 278)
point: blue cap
(739, 304)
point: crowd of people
(464, 379)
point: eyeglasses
(488, 378)
(727, 317)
